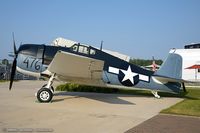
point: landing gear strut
(184, 89)
(155, 93)
(45, 94)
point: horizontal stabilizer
(164, 79)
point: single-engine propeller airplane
(88, 65)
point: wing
(76, 66)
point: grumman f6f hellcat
(83, 64)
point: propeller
(14, 65)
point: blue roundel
(127, 82)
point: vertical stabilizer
(172, 66)
(182, 64)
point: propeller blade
(14, 45)
(14, 65)
(12, 76)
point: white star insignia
(128, 75)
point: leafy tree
(143, 62)
(5, 62)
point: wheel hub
(44, 95)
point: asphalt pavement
(164, 123)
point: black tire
(52, 88)
(44, 95)
(46, 85)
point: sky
(138, 28)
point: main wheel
(46, 85)
(44, 95)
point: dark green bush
(85, 88)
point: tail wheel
(44, 95)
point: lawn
(3, 81)
(189, 106)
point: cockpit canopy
(83, 49)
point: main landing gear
(45, 94)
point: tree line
(145, 62)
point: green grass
(189, 106)
(1, 81)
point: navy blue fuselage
(36, 58)
(46, 53)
